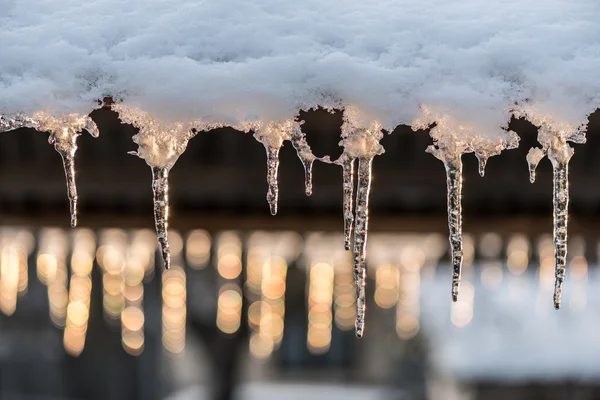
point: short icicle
(68, 159)
(534, 156)
(360, 239)
(272, 170)
(482, 161)
(305, 155)
(160, 189)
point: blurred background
(262, 307)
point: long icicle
(347, 164)
(560, 156)
(160, 189)
(272, 170)
(360, 240)
(454, 188)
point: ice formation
(272, 135)
(360, 143)
(451, 140)
(553, 137)
(459, 67)
(64, 130)
(160, 145)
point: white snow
(236, 62)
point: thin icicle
(534, 156)
(272, 136)
(347, 164)
(160, 190)
(64, 131)
(561, 204)
(360, 142)
(360, 239)
(453, 164)
(305, 155)
(482, 160)
(454, 188)
(160, 144)
(553, 137)
(272, 170)
(68, 159)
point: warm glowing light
(174, 309)
(261, 346)
(229, 309)
(491, 274)
(490, 245)
(198, 249)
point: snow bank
(236, 61)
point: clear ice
(160, 190)
(298, 139)
(360, 239)
(452, 139)
(160, 145)
(64, 131)
(347, 164)
(8, 123)
(272, 170)
(453, 164)
(362, 144)
(555, 146)
(272, 136)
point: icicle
(64, 131)
(553, 137)
(272, 136)
(305, 155)
(160, 143)
(67, 153)
(453, 164)
(348, 177)
(534, 156)
(272, 169)
(360, 239)
(482, 163)
(454, 187)
(160, 190)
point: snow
(235, 62)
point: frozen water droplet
(272, 169)
(482, 163)
(160, 189)
(360, 239)
(560, 156)
(534, 157)
(305, 155)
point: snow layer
(235, 61)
